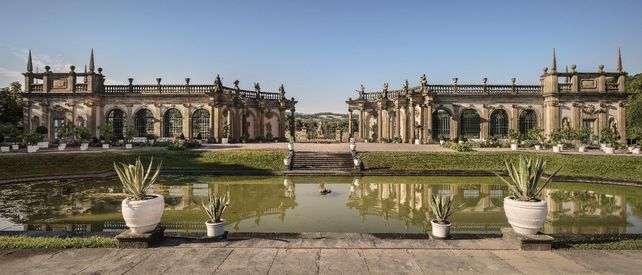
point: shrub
(42, 130)
(106, 132)
(396, 139)
(175, 145)
(608, 136)
(634, 134)
(536, 134)
(191, 143)
(513, 135)
(582, 135)
(32, 138)
(83, 134)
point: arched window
(116, 118)
(470, 124)
(499, 123)
(201, 124)
(440, 124)
(144, 122)
(173, 123)
(527, 121)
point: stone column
(621, 120)
(97, 112)
(484, 123)
(412, 123)
(575, 110)
(379, 123)
(422, 123)
(554, 115)
(454, 123)
(215, 122)
(428, 123)
(187, 128)
(349, 122)
(514, 115)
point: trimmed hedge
(7, 242)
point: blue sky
(320, 50)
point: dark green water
(277, 204)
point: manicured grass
(7, 242)
(17, 166)
(635, 244)
(612, 167)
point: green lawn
(17, 166)
(613, 167)
(7, 242)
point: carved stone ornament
(590, 112)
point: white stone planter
(224, 140)
(538, 147)
(128, 146)
(290, 146)
(602, 146)
(460, 142)
(32, 148)
(556, 149)
(15, 147)
(43, 144)
(636, 151)
(105, 146)
(561, 146)
(357, 162)
(215, 229)
(4, 149)
(631, 149)
(417, 141)
(62, 147)
(440, 230)
(513, 147)
(581, 149)
(525, 217)
(143, 216)
(441, 142)
(609, 150)
(286, 161)
(353, 147)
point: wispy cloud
(7, 76)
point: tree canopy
(634, 110)
(11, 104)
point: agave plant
(442, 207)
(215, 207)
(135, 178)
(525, 178)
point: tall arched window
(116, 118)
(201, 124)
(440, 124)
(144, 122)
(499, 123)
(470, 124)
(173, 123)
(527, 121)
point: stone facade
(426, 112)
(158, 109)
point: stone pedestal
(538, 242)
(128, 239)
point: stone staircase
(322, 161)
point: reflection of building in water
(410, 203)
(584, 212)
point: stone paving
(349, 253)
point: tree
(11, 104)
(634, 110)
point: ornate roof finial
(29, 63)
(257, 87)
(91, 61)
(554, 65)
(618, 66)
(567, 79)
(282, 90)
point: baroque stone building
(426, 112)
(194, 111)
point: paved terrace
(321, 256)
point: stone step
(310, 161)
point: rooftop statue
(362, 91)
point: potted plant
(141, 211)
(513, 136)
(32, 139)
(4, 148)
(536, 134)
(83, 135)
(583, 137)
(441, 139)
(42, 131)
(107, 132)
(442, 207)
(130, 132)
(635, 135)
(609, 138)
(525, 211)
(214, 209)
(64, 131)
(226, 133)
(556, 138)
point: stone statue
(362, 91)
(320, 130)
(405, 85)
(566, 124)
(424, 81)
(385, 90)
(236, 85)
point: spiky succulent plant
(136, 179)
(442, 207)
(525, 178)
(215, 207)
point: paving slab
(545, 262)
(158, 264)
(601, 261)
(118, 261)
(390, 261)
(248, 261)
(19, 261)
(199, 261)
(440, 261)
(70, 261)
(296, 261)
(342, 261)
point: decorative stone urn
(538, 147)
(440, 230)
(144, 215)
(215, 229)
(636, 151)
(15, 147)
(581, 149)
(106, 146)
(224, 140)
(525, 217)
(4, 149)
(32, 148)
(513, 146)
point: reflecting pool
(278, 204)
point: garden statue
(362, 91)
